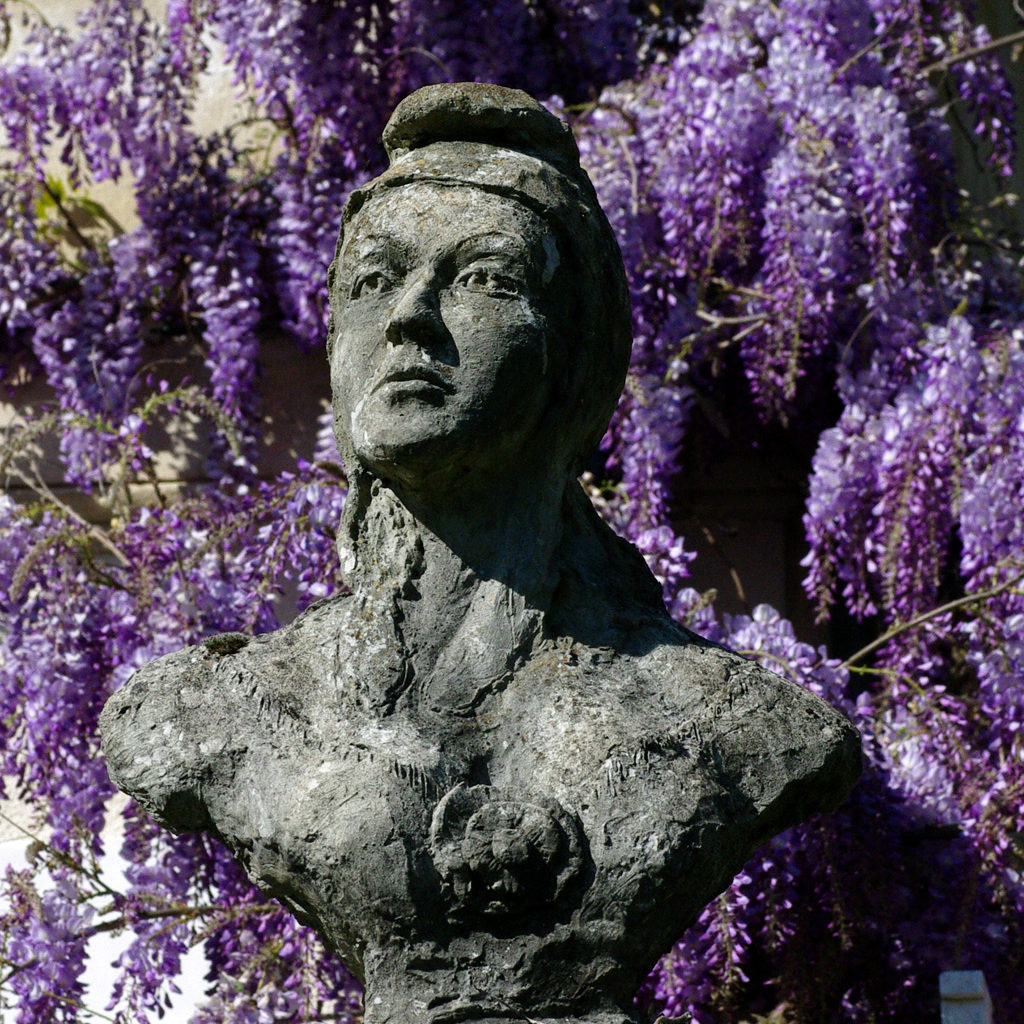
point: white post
(965, 998)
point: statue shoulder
(153, 729)
(780, 743)
(180, 717)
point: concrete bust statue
(496, 776)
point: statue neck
(505, 530)
(468, 584)
(465, 581)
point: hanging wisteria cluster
(781, 178)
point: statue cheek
(355, 355)
(507, 364)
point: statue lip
(421, 373)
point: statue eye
(490, 282)
(374, 282)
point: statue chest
(377, 828)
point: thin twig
(920, 620)
(723, 321)
(64, 858)
(734, 575)
(36, 11)
(40, 487)
(729, 286)
(181, 911)
(79, 1006)
(863, 51)
(858, 330)
(975, 51)
(634, 174)
(740, 335)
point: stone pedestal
(965, 998)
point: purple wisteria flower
(781, 180)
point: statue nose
(416, 316)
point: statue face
(440, 361)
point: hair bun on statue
(478, 112)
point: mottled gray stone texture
(496, 776)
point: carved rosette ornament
(503, 853)
(494, 774)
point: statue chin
(431, 449)
(420, 463)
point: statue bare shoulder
(184, 723)
(661, 765)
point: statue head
(479, 308)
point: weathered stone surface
(497, 777)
